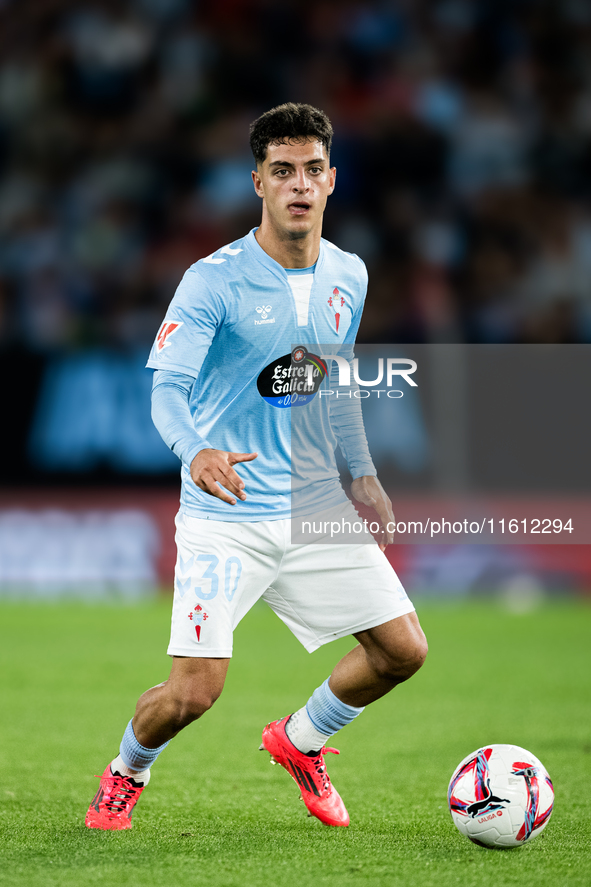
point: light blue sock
(326, 711)
(134, 755)
(323, 715)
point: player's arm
(195, 314)
(347, 423)
(211, 470)
(369, 491)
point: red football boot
(319, 795)
(113, 804)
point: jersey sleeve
(345, 407)
(351, 334)
(192, 320)
(346, 420)
(172, 416)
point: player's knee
(417, 655)
(192, 705)
(404, 661)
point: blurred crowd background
(463, 150)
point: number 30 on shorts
(232, 571)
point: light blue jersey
(232, 325)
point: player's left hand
(369, 491)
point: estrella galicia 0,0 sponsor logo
(293, 379)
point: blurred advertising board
(86, 543)
(119, 544)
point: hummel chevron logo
(263, 311)
(184, 566)
(227, 250)
(183, 585)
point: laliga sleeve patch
(164, 334)
(292, 380)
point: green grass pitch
(217, 814)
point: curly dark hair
(290, 122)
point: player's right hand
(212, 470)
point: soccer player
(229, 332)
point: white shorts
(321, 591)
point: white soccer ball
(500, 796)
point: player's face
(294, 181)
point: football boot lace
(121, 790)
(320, 767)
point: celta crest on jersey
(164, 333)
(336, 302)
(293, 379)
(198, 617)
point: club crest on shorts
(198, 617)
